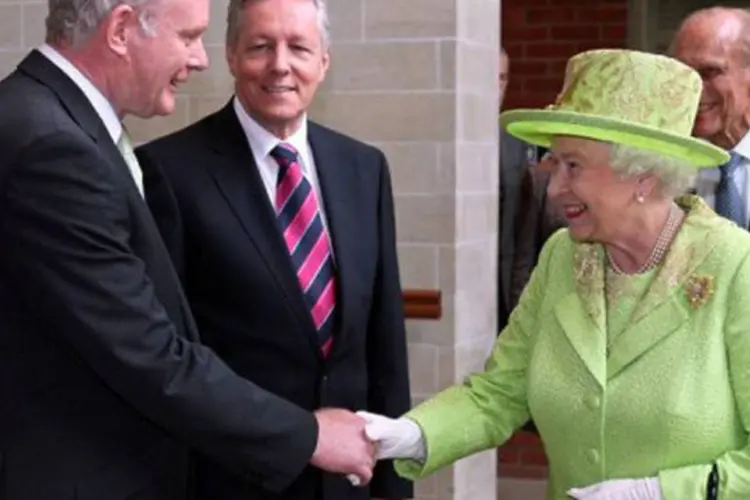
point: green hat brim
(540, 127)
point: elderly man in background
(515, 158)
(716, 43)
(104, 382)
(283, 232)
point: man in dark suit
(515, 157)
(103, 380)
(283, 232)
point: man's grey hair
(742, 16)
(675, 176)
(234, 21)
(72, 22)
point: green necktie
(126, 150)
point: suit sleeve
(689, 483)
(485, 410)
(388, 392)
(66, 229)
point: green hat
(625, 97)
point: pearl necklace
(674, 219)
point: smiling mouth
(278, 89)
(574, 211)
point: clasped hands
(351, 443)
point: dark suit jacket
(243, 288)
(515, 157)
(102, 377)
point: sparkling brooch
(699, 289)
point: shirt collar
(100, 103)
(262, 141)
(743, 147)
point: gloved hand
(620, 489)
(395, 438)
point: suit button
(593, 456)
(594, 402)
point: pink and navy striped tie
(305, 237)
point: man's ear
(119, 26)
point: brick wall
(522, 457)
(539, 36)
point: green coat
(672, 397)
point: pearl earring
(639, 198)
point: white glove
(620, 489)
(395, 438)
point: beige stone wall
(417, 78)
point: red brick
(550, 15)
(617, 32)
(523, 33)
(507, 456)
(533, 457)
(602, 44)
(543, 84)
(513, 16)
(527, 68)
(557, 68)
(524, 438)
(575, 3)
(558, 33)
(604, 14)
(515, 50)
(523, 471)
(517, 101)
(550, 50)
(515, 85)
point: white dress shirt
(100, 104)
(262, 142)
(708, 179)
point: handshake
(351, 443)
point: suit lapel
(72, 98)
(237, 178)
(662, 311)
(337, 173)
(665, 307)
(70, 95)
(83, 113)
(582, 314)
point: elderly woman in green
(630, 347)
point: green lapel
(665, 307)
(582, 314)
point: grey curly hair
(675, 176)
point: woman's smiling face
(583, 187)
